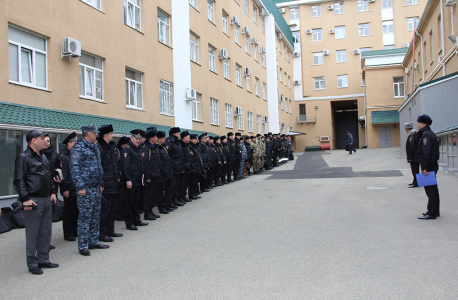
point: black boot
(149, 216)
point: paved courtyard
(326, 226)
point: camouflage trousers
(89, 218)
(257, 163)
(242, 166)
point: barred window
(250, 122)
(166, 97)
(214, 112)
(228, 111)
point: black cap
(230, 134)
(246, 137)
(150, 133)
(33, 135)
(270, 133)
(174, 130)
(424, 119)
(138, 133)
(160, 134)
(184, 133)
(70, 138)
(238, 134)
(151, 128)
(210, 138)
(104, 129)
(216, 137)
(223, 137)
(202, 136)
(123, 140)
(89, 128)
(258, 135)
(193, 136)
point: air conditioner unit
(326, 52)
(262, 12)
(296, 54)
(71, 47)
(406, 45)
(297, 82)
(371, 1)
(247, 72)
(330, 7)
(282, 10)
(223, 54)
(254, 40)
(356, 51)
(266, 119)
(450, 2)
(282, 99)
(332, 31)
(238, 111)
(407, 71)
(263, 50)
(191, 94)
(324, 138)
(246, 30)
(308, 31)
(415, 66)
(279, 35)
(282, 125)
(235, 20)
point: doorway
(386, 137)
(345, 115)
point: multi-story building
(329, 39)
(209, 66)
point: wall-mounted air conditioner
(191, 94)
(330, 7)
(282, 10)
(326, 52)
(247, 72)
(297, 82)
(356, 51)
(223, 54)
(235, 20)
(308, 31)
(254, 40)
(71, 48)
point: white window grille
(294, 14)
(163, 27)
(258, 124)
(134, 94)
(316, 11)
(225, 22)
(226, 68)
(194, 42)
(387, 27)
(363, 29)
(262, 24)
(238, 75)
(229, 117)
(255, 14)
(166, 97)
(91, 77)
(342, 81)
(363, 5)
(132, 13)
(340, 32)
(248, 83)
(246, 7)
(264, 91)
(386, 4)
(281, 75)
(398, 86)
(282, 103)
(214, 112)
(256, 86)
(196, 108)
(339, 8)
(240, 123)
(317, 34)
(211, 10)
(319, 83)
(250, 122)
(237, 34)
(318, 58)
(211, 58)
(255, 49)
(411, 24)
(341, 56)
(263, 59)
(247, 43)
(297, 37)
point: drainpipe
(451, 18)
(442, 37)
(365, 112)
(422, 58)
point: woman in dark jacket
(197, 166)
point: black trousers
(217, 174)
(224, 169)
(131, 205)
(415, 167)
(203, 181)
(229, 170)
(193, 184)
(432, 192)
(176, 184)
(235, 168)
(165, 194)
(107, 214)
(144, 198)
(274, 159)
(210, 176)
(151, 198)
(70, 220)
(268, 162)
(121, 199)
(183, 182)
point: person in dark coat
(428, 151)
(131, 178)
(275, 149)
(51, 155)
(197, 166)
(173, 145)
(111, 178)
(269, 153)
(204, 154)
(213, 161)
(411, 152)
(350, 146)
(231, 157)
(226, 164)
(219, 161)
(165, 191)
(186, 158)
(238, 154)
(121, 198)
(249, 152)
(68, 191)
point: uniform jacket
(226, 152)
(263, 147)
(411, 147)
(151, 163)
(67, 183)
(244, 150)
(203, 151)
(238, 149)
(32, 175)
(111, 174)
(166, 164)
(186, 158)
(426, 149)
(249, 151)
(284, 145)
(276, 145)
(220, 153)
(131, 164)
(213, 156)
(230, 145)
(196, 159)
(269, 148)
(174, 148)
(86, 165)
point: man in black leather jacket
(34, 184)
(411, 152)
(173, 145)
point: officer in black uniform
(227, 163)
(123, 141)
(219, 161)
(238, 155)
(131, 177)
(197, 169)
(204, 155)
(231, 158)
(173, 145)
(165, 191)
(412, 152)
(428, 150)
(186, 158)
(212, 162)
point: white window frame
(214, 112)
(196, 108)
(397, 87)
(266, 128)
(32, 66)
(211, 10)
(255, 14)
(250, 122)
(281, 75)
(264, 91)
(255, 49)
(93, 79)
(262, 24)
(297, 37)
(258, 124)
(256, 86)
(237, 34)
(163, 27)
(193, 3)
(130, 15)
(226, 69)
(411, 2)
(339, 8)
(387, 4)
(290, 107)
(248, 83)
(321, 83)
(238, 75)
(317, 34)
(318, 58)
(211, 58)
(194, 48)
(282, 103)
(229, 118)
(129, 93)
(342, 81)
(94, 3)
(364, 29)
(340, 32)
(225, 23)
(247, 43)
(240, 123)
(387, 27)
(289, 82)
(361, 50)
(411, 23)
(341, 56)
(362, 81)
(363, 5)
(263, 60)
(316, 11)
(246, 7)
(166, 98)
(293, 14)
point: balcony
(304, 120)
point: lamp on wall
(452, 38)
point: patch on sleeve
(143, 154)
(410, 139)
(61, 165)
(125, 154)
(425, 141)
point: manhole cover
(377, 188)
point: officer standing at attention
(173, 145)
(87, 173)
(165, 190)
(111, 178)
(204, 155)
(68, 191)
(186, 158)
(411, 152)
(123, 141)
(428, 151)
(231, 169)
(34, 184)
(131, 177)
(197, 168)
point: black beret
(193, 136)
(223, 137)
(174, 130)
(33, 135)
(230, 134)
(123, 140)
(160, 134)
(184, 133)
(238, 134)
(70, 138)
(138, 133)
(424, 119)
(150, 133)
(104, 129)
(216, 137)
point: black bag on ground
(58, 211)
(291, 156)
(18, 215)
(4, 225)
(347, 148)
(7, 215)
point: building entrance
(345, 117)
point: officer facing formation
(411, 152)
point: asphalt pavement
(327, 225)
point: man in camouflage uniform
(244, 156)
(263, 150)
(256, 154)
(87, 173)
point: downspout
(442, 37)
(365, 112)
(451, 18)
(422, 58)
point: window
(134, 95)
(255, 49)
(284, 51)
(262, 24)
(290, 107)
(132, 13)
(256, 86)
(258, 124)
(341, 56)
(297, 36)
(282, 103)
(362, 80)
(386, 4)
(279, 45)
(248, 83)
(166, 97)
(193, 3)
(211, 10)
(211, 58)
(246, 7)
(318, 58)
(214, 112)
(240, 124)
(91, 77)
(302, 113)
(226, 68)
(95, 3)
(27, 58)
(411, 24)
(340, 32)
(339, 8)
(342, 81)
(264, 91)
(398, 86)
(363, 29)
(228, 111)
(387, 27)
(319, 83)
(287, 55)
(247, 43)
(255, 14)
(196, 108)
(316, 11)
(412, 2)
(263, 59)
(194, 41)
(12, 146)
(237, 34)
(250, 122)
(225, 23)
(363, 5)
(386, 47)
(238, 75)
(281, 74)
(266, 128)
(163, 27)
(294, 14)
(317, 34)
(364, 49)
(286, 106)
